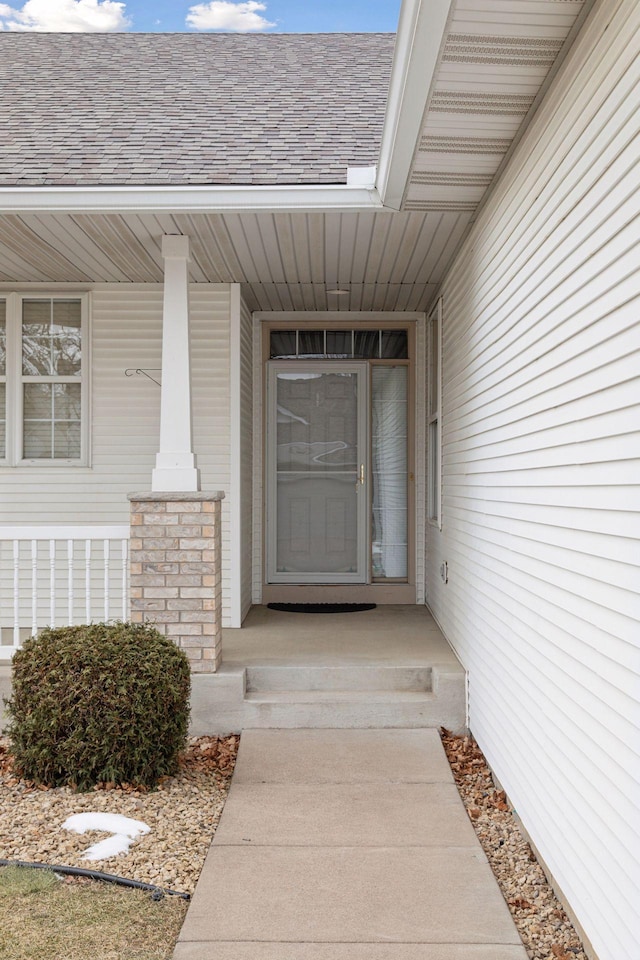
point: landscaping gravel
(545, 929)
(182, 814)
(184, 811)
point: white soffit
(284, 260)
(495, 58)
(421, 30)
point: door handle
(360, 480)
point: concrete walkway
(346, 845)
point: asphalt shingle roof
(175, 109)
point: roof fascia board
(421, 31)
(202, 199)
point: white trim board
(335, 316)
(205, 199)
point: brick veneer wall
(176, 571)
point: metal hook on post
(130, 372)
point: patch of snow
(123, 832)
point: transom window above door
(338, 345)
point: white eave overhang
(421, 32)
(347, 197)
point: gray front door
(317, 496)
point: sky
(246, 16)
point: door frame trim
(382, 591)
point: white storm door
(317, 486)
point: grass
(43, 918)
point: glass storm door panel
(389, 476)
(317, 497)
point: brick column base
(176, 571)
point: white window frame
(14, 380)
(434, 418)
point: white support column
(175, 462)
(235, 457)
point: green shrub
(99, 703)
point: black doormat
(321, 607)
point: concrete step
(338, 696)
(222, 703)
(354, 677)
(325, 709)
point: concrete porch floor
(387, 667)
(386, 635)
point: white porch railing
(55, 575)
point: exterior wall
(126, 332)
(540, 454)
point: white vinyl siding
(541, 459)
(126, 333)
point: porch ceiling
(285, 261)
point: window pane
(52, 426)
(434, 473)
(51, 334)
(66, 401)
(339, 344)
(38, 401)
(66, 441)
(37, 440)
(3, 337)
(36, 317)
(283, 345)
(36, 338)
(317, 449)
(434, 361)
(36, 356)
(394, 345)
(366, 344)
(389, 471)
(311, 344)
(66, 355)
(66, 316)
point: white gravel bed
(182, 815)
(545, 929)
